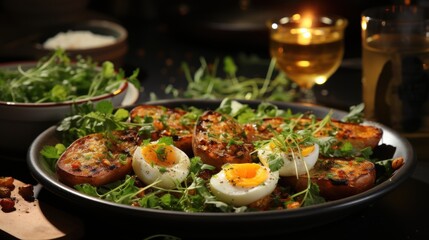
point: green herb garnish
(56, 78)
(205, 83)
(103, 117)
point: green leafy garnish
(355, 114)
(86, 119)
(312, 196)
(205, 83)
(120, 191)
(52, 153)
(56, 78)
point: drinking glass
(395, 60)
(308, 49)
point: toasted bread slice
(98, 158)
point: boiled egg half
(240, 184)
(294, 162)
(161, 162)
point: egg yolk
(246, 174)
(159, 154)
(305, 151)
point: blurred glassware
(307, 48)
(395, 59)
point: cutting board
(38, 220)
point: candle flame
(363, 23)
(306, 22)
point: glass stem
(307, 95)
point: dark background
(165, 33)
(162, 34)
(226, 25)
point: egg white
(292, 164)
(228, 192)
(169, 176)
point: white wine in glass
(307, 49)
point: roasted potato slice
(360, 136)
(168, 122)
(98, 158)
(219, 139)
(337, 178)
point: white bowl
(21, 123)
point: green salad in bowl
(34, 95)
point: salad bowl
(21, 121)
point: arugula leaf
(313, 196)
(355, 114)
(384, 169)
(331, 147)
(52, 153)
(123, 191)
(229, 66)
(86, 119)
(104, 107)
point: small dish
(114, 52)
(23, 122)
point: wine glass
(307, 48)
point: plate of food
(236, 164)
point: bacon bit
(293, 205)
(4, 192)
(7, 182)
(106, 162)
(341, 174)
(141, 194)
(7, 199)
(397, 162)
(158, 125)
(75, 165)
(192, 192)
(7, 204)
(262, 204)
(26, 192)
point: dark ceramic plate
(242, 224)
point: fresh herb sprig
(205, 83)
(355, 114)
(194, 196)
(101, 117)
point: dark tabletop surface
(158, 50)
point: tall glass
(395, 60)
(308, 49)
